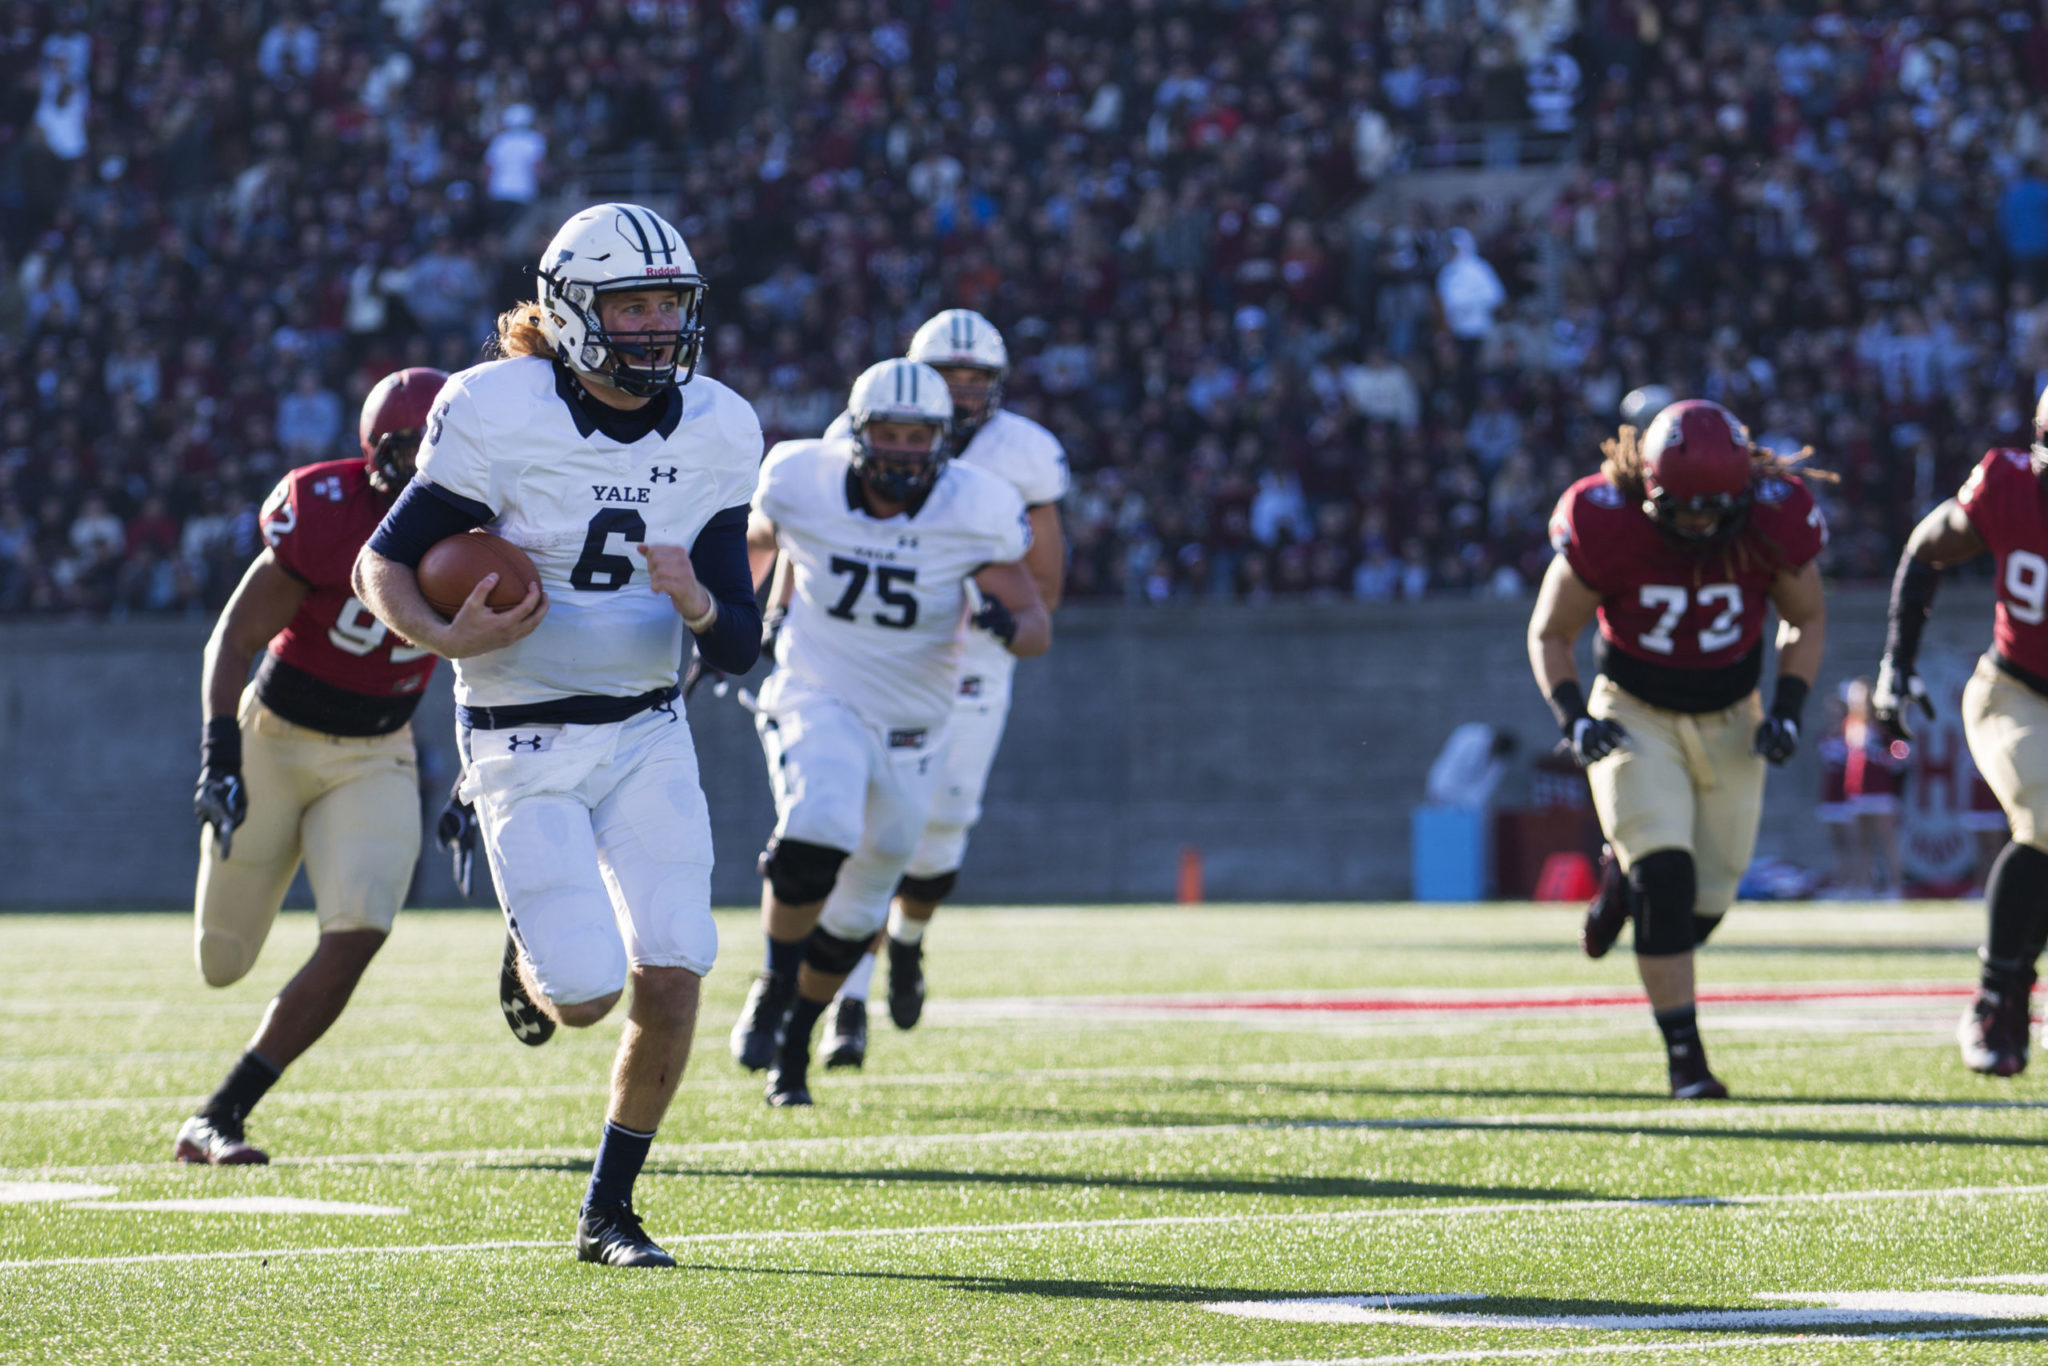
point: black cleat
(789, 1080)
(614, 1237)
(216, 1143)
(906, 983)
(847, 1044)
(1993, 1032)
(758, 1031)
(1608, 911)
(526, 1020)
(1690, 1078)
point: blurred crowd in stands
(1326, 298)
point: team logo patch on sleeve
(906, 739)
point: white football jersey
(504, 436)
(1032, 460)
(874, 620)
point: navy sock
(620, 1154)
(1681, 1029)
(2017, 898)
(785, 956)
(803, 1019)
(246, 1082)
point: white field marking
(34, 1192)
(2000, 1280)
(245, 1204)
(1588, 1120)
(1113, 1225)
(1842, 1310)
(1632, 1349)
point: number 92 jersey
(511, 441)
(874, 620)
(2005, 500)
(315, 521)
(1668, 606)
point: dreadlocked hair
(519, 334)
(1624, 463)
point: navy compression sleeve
(423, 516)
(720, 560)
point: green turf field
(1042, 1173)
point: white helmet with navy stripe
(902, 391)
(962, 338)
(608, 248)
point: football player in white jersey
(969, 353)
(884, 538)
(591, 447)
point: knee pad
(1665, 885)
(928, 888)
(827, 953)
(800, 872)
(1702, 926)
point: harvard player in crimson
(313, 759)
(1681, 545)
(2002, 508)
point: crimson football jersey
(2006, 502)
(334, 649)
(1665, 609)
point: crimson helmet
(393, 417)
(1697, 457)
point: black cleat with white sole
(906, 983)
(525, 1019)
(847, 1043)
(1994, 1030)
(613, 1237)
(1609, 909)
(1690, 1077)
(789, 1079)
(758, 1031)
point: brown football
(453, 568)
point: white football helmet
(612, 247)
(962, 337)
(899, 391)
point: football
(453, 568)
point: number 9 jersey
(2006, 502)
(875, 618)
(1683, 629)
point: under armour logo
(515, 743)
(663, 474)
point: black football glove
(456, 832)
(1897, 692)
(221, 801)
(698, 673)
(1777, 739)
(771, 627)
(995, 619)
(1596, 737)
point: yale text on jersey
(614, 493)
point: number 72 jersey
(2005, 500)
(875, 618)
(1669, 606)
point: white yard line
(1426, 1212)
(1647, 1348)
(1590, 1121)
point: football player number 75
(1670, 602)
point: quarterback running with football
(311, 760)
(970, 356)
(2002, 508)
(1680, 546)
(884, 538)
(591, 447)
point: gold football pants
(2006, 723)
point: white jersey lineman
(585, 820)
(854, 718)
(1031, 459)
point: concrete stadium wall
(1287, 742)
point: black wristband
(1912, 599)
(1567, 704)
(220, 746)
(1789, 702)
